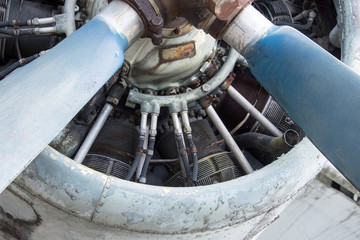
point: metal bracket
(151, 18)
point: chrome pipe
(229, 139)
(94, 132)
(141, 146)
(244, 103)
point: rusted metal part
(177, 52)
(150, 15)
(226, 9)
(177, 27)
(214, 16)
(192, 10)
(225, 12)
(228, 81)
(207, 101)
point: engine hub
(175, 63)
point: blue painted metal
(61, 82)
(319, 92)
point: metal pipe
(150, 149)
(265, 143)
(228, 139)
(115, 94)
(145, 148)
(45, 30)
(43, 21)
(140, 148)
(69, 12)
(179, 137)
(94, 132)
(190, 140)
(191, 96)
(18, 64)
(244, 103)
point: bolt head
(206, 87)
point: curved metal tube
(192, 96)
(269, 144)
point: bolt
(206, 87)
(157, 21)
(125, 68)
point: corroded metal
(214, 16)
(226, 9)
(177, 52)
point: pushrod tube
(215, 119)
(94, 132)
(243, 102)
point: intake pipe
(320, 93)
(38, 100)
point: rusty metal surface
(226, 9)
(177, 27)
(177, 52)
(214, 16)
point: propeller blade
(38, 100)
(319, 92)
